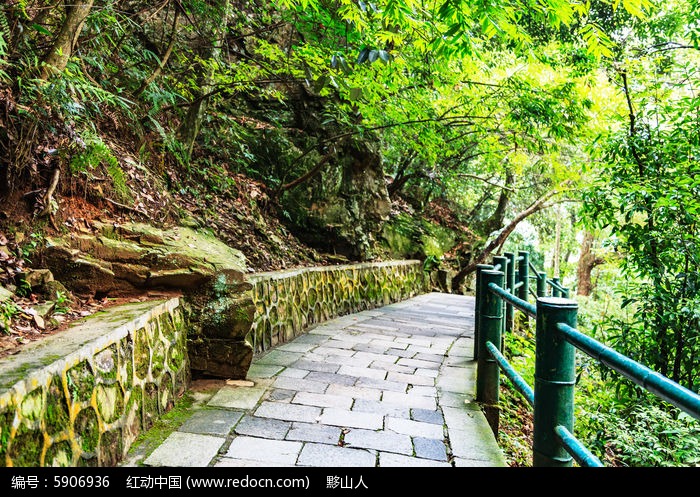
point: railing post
(523, 274)
(510, 283)
(488, 370)
(541, 284)
(555, 289)
(477, 299)
(503, 261)
(555, 376)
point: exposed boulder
(5, 294)
(121, 260)
(131, 258)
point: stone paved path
(389, 387)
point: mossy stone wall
(81, 397)
(289, 302)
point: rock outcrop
(133, 259)
(342, 210)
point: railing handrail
(516, 302)
(518, 381)
(556, 285)
(650, 380)
(554, 375)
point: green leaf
(320, 83)
(41, 29)
(362, 57)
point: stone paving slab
(331, 378)
(411, 379)
(352, 360)
(409, 400)
(228, 462)
(430, 373)
(280, 357)
(313, 432)
(264, 370)
(414, 428)
(376, 374)
(254, 426)
(339, 344)
(322, 400)
(354, 392)
(418, 363)
(281, 395)
(352, 419)
(390, 344)
(264, 450)
(328, 350)
(240, 397)
(300, 384)
(393, 386)
(294, 372)
(321, 455)
(200, 450)
(373, 356)
(382, 408)
(288, 412)
(296, 347)
(430, 448)
(373, 349)
(423, 390)
(391, 366)
(427, 416)
(391, 460)
(379, 440)
(212, 422)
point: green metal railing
(501, 289)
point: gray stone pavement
(388, 387)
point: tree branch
(164, 59)
(309, 174)
(505, 232)
(49, 192)
(487, 181)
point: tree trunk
(495, 221)
(189, 129)
(62, 49)
(586, 262)
(164, 59)
(556, 260)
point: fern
(170, 142)
(96, 153)
(4, 38)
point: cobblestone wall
(288, 302)
(81, 397)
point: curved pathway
(388, 387)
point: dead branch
(125, 207)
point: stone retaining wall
(82, 396)
(289, 302)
